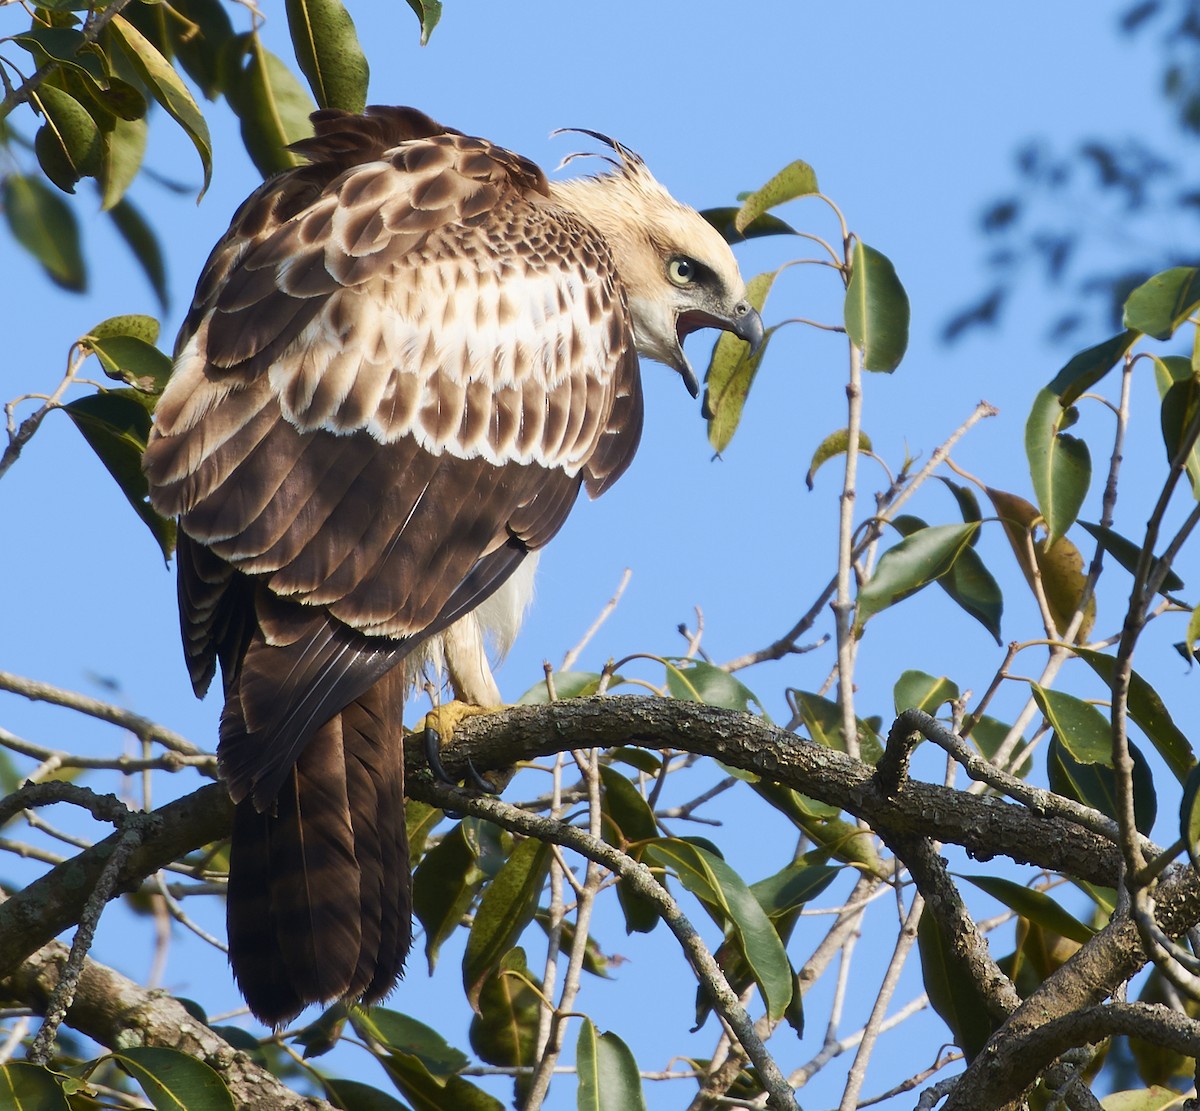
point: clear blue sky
(910, 115)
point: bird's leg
(437, 730)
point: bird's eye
(682, 271)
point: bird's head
(679, 273)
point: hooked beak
(744, 322)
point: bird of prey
(402, 362)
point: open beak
(744, 322)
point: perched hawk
(402, 362)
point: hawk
(402, 362)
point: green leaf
(505, 1030)
(428, 12)
(1037, 906)
(166, 87)
(595, 960)
(173, 1081)
(877, 310)
(143, 327)
(969, 583)
(26, 1087)
(69, 139)
(723, 220)
(797, 179)
(354, 1095)
(123, 154)
(426, 1092)
(989, 734)
(1095, 785)
(835, 444)
(952, 994)
(140, 238)
(1127, 553)
(823, 720)
(1149, 712)
(132, 360)
(46, 227)
(1060, 465)
(1189, 815)
(968, 503)
(723, 892)
(401, 1033)
(115, 424)
(732, 369)
(609, 1079)
(1080, 727)
(1177, 390)
(199, 44)
(328, 53)
(628, 820)
(793, 886)
(567, 684)
(917, 690)
(444, 886)
(1154, 1098)
(1088, 367)
(1192, 635)
(697, 681)
(916, 561)
(272, 106)
(1158, 306)
(506, 908)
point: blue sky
(910, 115)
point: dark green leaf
(725, 895)
(723, 220)
(132, 360)
(166, 87)
(69, 139)
(328, 53)
(1148, 712)
(1158, 306)
(173, 1081)
(916, 689)
(444, 886)
(505, 1030)
(354, 1095)
(145, 328)
(428, 12)
(1084, 731)
(916, 561)
(45, 226)
(116, 423)
(627, 819)
(272, 106)
(1189, 815)
(637, 758)
(968, 503)
(952, 993)
(609, 1079)
(426, 1092)
(835, 444)
(969, 583)
(26, 1087)
(508, 905)
(324, 1033)
(797, 179)
(1037, 906)
(1177, 389)
(1095, 785)
(1127, 553)
(199, 44)
(1088, 367)
(595, 960)
(793, 886)
(1060, 465)
(989, 734)
(400, 1033)
(823, 720)
(732, 369)
(877, 310)
(696, 681)
(141, 240)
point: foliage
(518, 885)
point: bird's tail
(320, 892)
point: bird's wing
(402, 362)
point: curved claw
(431, 742)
